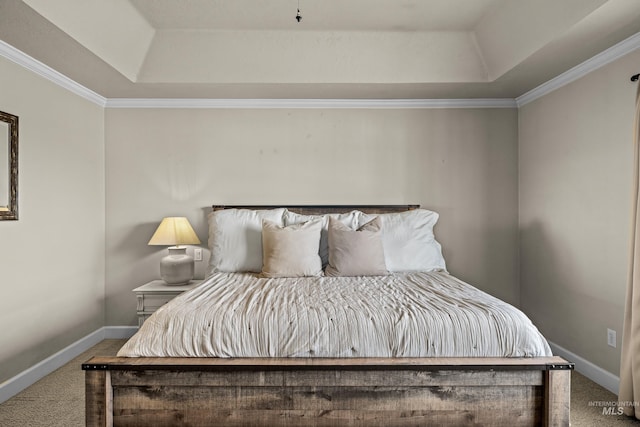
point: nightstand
(155, 294)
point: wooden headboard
(324, 209)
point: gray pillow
(356, 252)
(234, 238)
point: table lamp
(177, 267)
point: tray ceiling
(340, 49)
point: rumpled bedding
(423, 314)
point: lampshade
(176, 268)
(174, 231)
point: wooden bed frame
(510, 392)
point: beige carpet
(585, 397)
(58, 399)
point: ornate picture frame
(8, 166)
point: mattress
(420, 314)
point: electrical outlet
(197, 254)
(611, 338)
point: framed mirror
(8, 166)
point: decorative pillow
(355, 252)
(235, 238)
(291, 251)
(408, 241)
(350, 219)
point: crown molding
(32, 64)
(605, 57)
(311, 103)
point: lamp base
(177, 267)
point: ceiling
(341, 49)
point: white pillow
(409, 242)
(356, 252)
(350, 219)
(291, 251)
(235, 238)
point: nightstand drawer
(155, 294)
(152, 302)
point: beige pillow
(349, 219)
(356, 252)
(291, 251)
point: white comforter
(401, 315)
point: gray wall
(461, 163)
(52, 258)
(575, 186)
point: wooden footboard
(327, 392)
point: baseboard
(15, 385)
(595, 373)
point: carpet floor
(58, 399)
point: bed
(301, 351)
